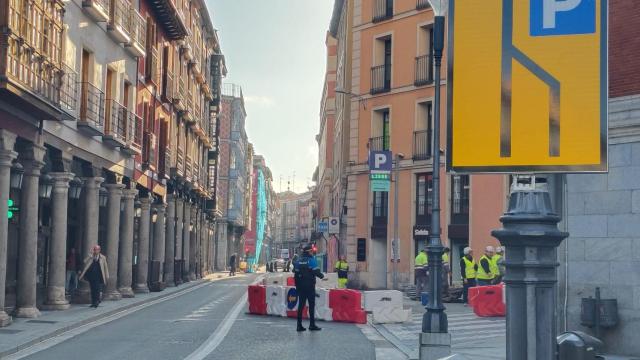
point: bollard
(530, 235)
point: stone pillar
(125, 257)
(170, 241)
(91, 215)
(204, 246)
(113, 240)
(179, 232)
(32, 161)
(56, 299)
(186, 239)
(143, 247)
(159, 237)
(221, 246)
(193, 243)
(7, 155)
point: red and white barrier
(276, 304)
(257, 299)
(487, 300)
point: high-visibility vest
(494, 264)
(482, 275)
(445, 258)
(469, 268)
(421, 260)
(342, 267)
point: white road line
(221, 332)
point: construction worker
(446, 267)
(485, 273)
(305, 269)
(342, 268)
(420, 272)
(496, 263)
(468, 269)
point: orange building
(390, 87)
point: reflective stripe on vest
(493, 264)
(482, 275)
(469, 268)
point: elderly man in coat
(96, 272)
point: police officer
(342, 268)
(305, 269)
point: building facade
(384, 101)
(86, 142)
(603, 210)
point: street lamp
(394, 244)
(17, 170)
(434, 321)
(103, 197)
(75, 188)
(46, 185)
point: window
(460, 199)
(382, 10)
(232, 161)
(424, 203)
(422, 137)
(381, 73)
(385, 130)
(381, 131)
(380, 206)
(424, 60)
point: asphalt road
(208, 323)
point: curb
(412, 355)
(89, 320)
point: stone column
(56, 299)
(186, 239)
(193, 243)
(125, 257)
(91, 215)
(7, 155)
(204, 245)
(143, 247)
(159, 237)
(179, 233)
(221, 246)
(113, 240)
(32, 161)
(170, 241)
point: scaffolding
(261, 219)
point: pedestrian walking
(73, 270)
(420, 272)
(96, 272)
(305, 270)
(485, 273)
(468, 269)
(232, 264)
(446, 271)
(342, 268)
(497, 263)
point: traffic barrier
(292, 301)
(357, 316)
(345, 299)
(257, 299)
(291, 281)
(390, 315)
(276, 304)
(488, 301)
(382, 299)
(323, 311)
(275, 279)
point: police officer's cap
(307, 248)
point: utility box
(576, 345)
(608, 312)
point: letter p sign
(562, 17)
(380, 160)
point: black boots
(301, 328)
(314, 328)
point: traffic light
(12, 209)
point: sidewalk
(23, 333)
(474, 337)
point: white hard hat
(467, 250)
(500, 249)
(490, 249)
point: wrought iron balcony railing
(422, 4)
(424, 70)
(91, 106)
(380, 79)
(115, 131)
(422, 144)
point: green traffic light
(10, 202)
(9, 214)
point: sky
(275, 50)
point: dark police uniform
(306, 270)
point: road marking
(221, 332)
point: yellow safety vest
(421, 260)
(469, 268)
(493, 265)
(342, 265)
(482, 275)
(445, 258)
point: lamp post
(395, 245)
(75, 188)
(435, 340)
(17, 172)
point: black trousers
(96, 288)
(465, 291)
(307, 296)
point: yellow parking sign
(527, 86)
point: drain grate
(41, 321)
(9, 331)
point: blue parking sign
(380, 160)
(562, 17)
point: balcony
(165, 162)
(115, 132)
(168, 87)
(169, 18)
(379, 143)
(119, 25)
(422, 4)
(382, 10)
(424, 70)
(379, 230)
(152, 64)
(187, 167)
(137, 45)
(149, 150)
(134, 134)
(422, 144)
(380, 79)
(98, 10)
(91, 109)
(178, 95)
(187, 113)
(178, 171)
(69, 90)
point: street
(202, 324)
